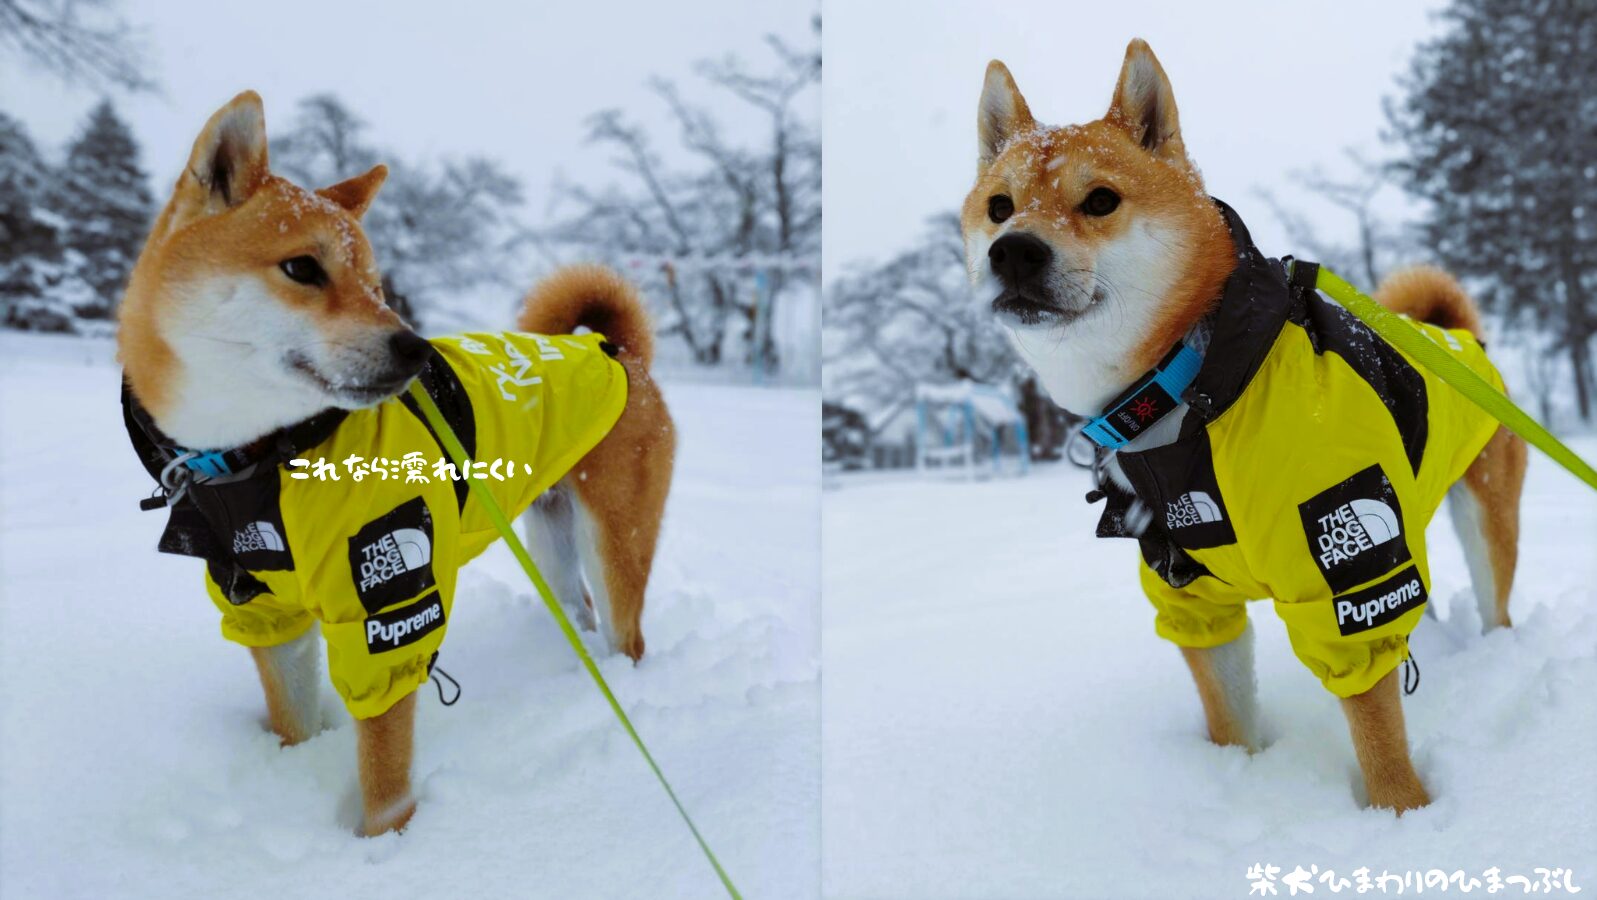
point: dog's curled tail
(594, 297)
(1430, 295)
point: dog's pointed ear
(228, 163)
(356, 194)
(1001, 114)
(1144, 106)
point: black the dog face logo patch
(1192, 508)
(248, 521)
(1355, 529)
(391, 557)
(255, 536)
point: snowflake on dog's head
(1144, 409)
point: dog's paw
(1403, 805)
(1400, 796)
(394, 818)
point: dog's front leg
(384, 745)
(291, 677)
(1375, 718)
(1228, 689)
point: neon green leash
(1404, 336)
(497, 516)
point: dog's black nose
(410, 349)
(1017, 257)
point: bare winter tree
(746, 208)
(657, 219)
(325, 143)
(908, 321)
(1378, 246)
(791, 170)
(437, 230)
(80, 41)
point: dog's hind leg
(1485, 509)
(1228, 689)
(621, 488)
(1375, 719)
(617, 569)
(291, 677)
(550, 527)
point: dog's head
(256, 302)
(1095, 245)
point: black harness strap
(155, 449)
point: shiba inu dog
(255, 338)
(1261, 442)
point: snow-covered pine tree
(104, 196)
(1501, 126)
(30, 237)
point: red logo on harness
(1144, 409)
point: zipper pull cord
(438, 676)
(1410, 665)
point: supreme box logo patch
(1380, 603)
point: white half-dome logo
(1354, 527)
(414, 547)
(1192, 508)
(1377, 520)
(395, 553)
(258, 536)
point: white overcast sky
(512, 80)
(516, 81)
(1263, 88)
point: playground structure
(969, 430)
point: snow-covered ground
(134, 760)
(1001, 721)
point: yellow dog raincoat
(358, 520)
(1312, 457)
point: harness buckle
(176, 477)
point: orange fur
(623, 483)
(1049, 172)
(1225, 728)
(356, 194)
(1430, 295)
(624, 480)
(1495, 479)
(1496, 476)
(383, 746)
(593, 297)
(280, 712)
(229, 215)
(1375, 720)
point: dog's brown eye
(1000, 207)
(305, 270)
(1101, 202)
